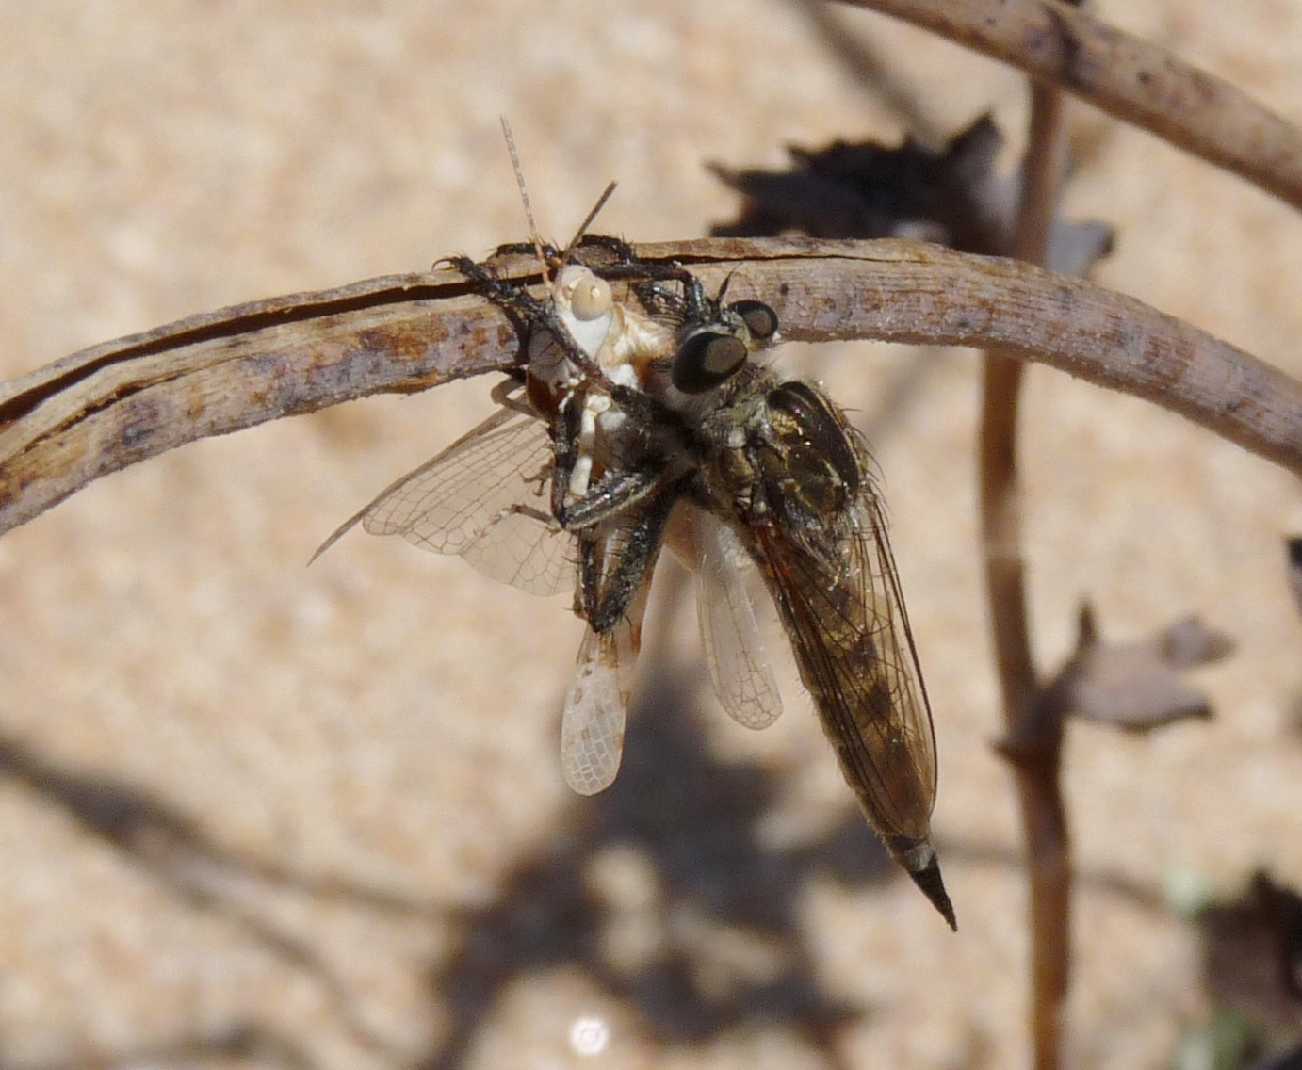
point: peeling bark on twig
(1129, 78)
(107, 407)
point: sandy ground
(252, 815)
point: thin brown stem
(104, 408)
(1036, 770)
(1129, 78)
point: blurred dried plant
(1252, 962)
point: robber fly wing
(596, 706)
(484, 498)
(734, 650)
(851, 639)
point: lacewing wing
(484, 499)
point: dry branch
(1294, 548)
(1038, 775)
(107, 407)
(1131, 79)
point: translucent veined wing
(484, 498)
(596, 706)
(592, 720)
(844, 613)
(734, 650)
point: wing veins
(801, 584)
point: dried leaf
(1136, 686)
(1252, 957)
(953, 197)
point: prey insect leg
(612, 494)
(506, 393)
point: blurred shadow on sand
(695, 820)
(174, 850)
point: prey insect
(571, 485)
(575, 421)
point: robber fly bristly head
(713, 349)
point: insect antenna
(524, 197)
(587, 220)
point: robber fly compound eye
(760, 320)
(588, 295)
(706, 359)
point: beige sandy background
(254, 815)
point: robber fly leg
(626, 264)
(524, 248)
(565, 451)
(649, 271)
(578, 504)
(605, 593)
(615, 494)
(509, 296)
(618, 247)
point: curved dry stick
(1037, 772)
(1129, 78)
(107, 407)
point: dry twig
(1129, 78)
(1293, 546)
(1061, 46)
(1039, 790)
(109, 406)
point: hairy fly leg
(523, 248)
(617, 557)
(615, 495)
(580, 503)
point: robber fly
(627, 430)
(668, 432)
(779, 465)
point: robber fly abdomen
(780, 460)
